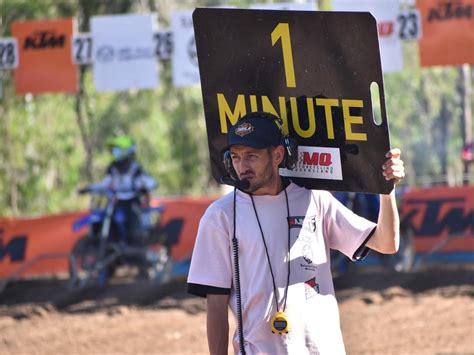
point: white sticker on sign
(317, 163)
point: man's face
(258, 166)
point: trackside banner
(45, 63)
(440, 217)
(448, 32)
(314, 70)
(24, 240)
(124, 52)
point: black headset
(289, 144)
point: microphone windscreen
(240, 184)
(243, 184)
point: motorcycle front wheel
(87, 267)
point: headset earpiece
(229, 167)
(291, 152)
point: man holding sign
(263, 250)
(289, 100)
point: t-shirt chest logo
(308, 223)
(296, 221)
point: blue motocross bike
(108, 244)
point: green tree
(53, 144)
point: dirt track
(428, 312)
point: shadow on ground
(446, 279)
(23, 298)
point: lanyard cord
(235, 245)
(268, 256)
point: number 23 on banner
(8, 53)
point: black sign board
(312, 69)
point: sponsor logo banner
(45, 63)
(24, 240)
(440, 218)
(448, 32)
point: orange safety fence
(182, 216)
(24, 239)
(435, 214)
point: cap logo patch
(244, 129)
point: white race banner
(8, 53)
(124, 52)
(385, 12)
(308, 6)
(82, 47)
(184, 58)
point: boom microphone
(240, 184)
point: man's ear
(279, 154)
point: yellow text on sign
(230, 116)
(282, 31)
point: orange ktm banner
(447, 32)
(440, 216)
(23, 240)
(45, 63)
(180, 220)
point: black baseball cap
(257, 130)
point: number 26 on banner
(8, 53)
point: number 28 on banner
(8, 53)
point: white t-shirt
(318, 222)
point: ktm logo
(321, 159)
(439, 215)
(44, 39)
(450, 10)
(15, 248)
